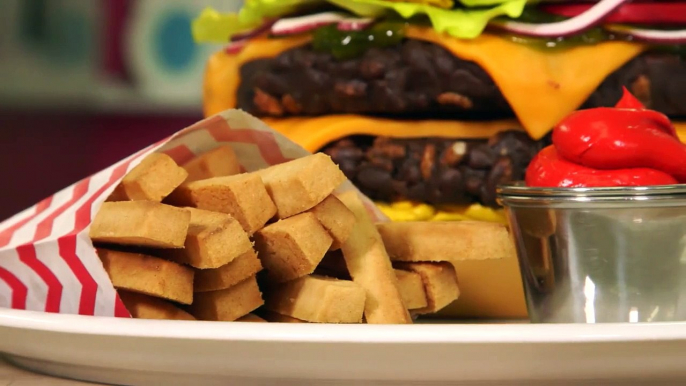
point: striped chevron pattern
(47, 261)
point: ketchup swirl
(627, 145)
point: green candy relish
(351, 44)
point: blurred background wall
(84, 83)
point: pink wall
(40, 154)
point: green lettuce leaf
(212, 26)
(483, 3)
(460, 23)
(215, 27)
(255, 11)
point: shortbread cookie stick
(318, 299)
(149, 275)
(440, 284)
(446, 241)
(411, 289)
(147, 307)
(243, 196)
(218, 162)
(293, 247)
(370, 267)
(298, 185)
(151, 180)
(241, 268)
(140, 223)
(336, 218)
(228, 304)
(214, 240)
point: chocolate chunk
(352, 88)
(267, 104)
(271, 83)
(518, 146)
(386, 147)
(481, 157)
(455, 99)
(501, 173)
(290, 104)
(473, 180)
(376, 180)
(409, 171)
(451, 185)
(454, 153)
(428, 161)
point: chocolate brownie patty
(435, 170)
(416, 78)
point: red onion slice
(257, 31)
(301, 24)
(355, 24)
(564, 28)
(234, 48)
(651, 35)
(655, 13)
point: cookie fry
(302, 183)
(243, 196)
(218, 162)
(214, 239)
(140, 223)
(318, 299)
(149, 275)
(440, 284)
(336, 218)
(411, 289)
(370, 267)
(151, 180)
(147, 307)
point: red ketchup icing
(627, 145)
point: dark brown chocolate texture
(435, 170)
(421, 80)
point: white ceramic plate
(128, 351)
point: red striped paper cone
(47, 260)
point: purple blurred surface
(43, 153)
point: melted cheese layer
(542, 87)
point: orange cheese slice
(313, 133)
(541, 86)
(222, 76)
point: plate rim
(458, 333)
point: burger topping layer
(627, 145)
(437, 171)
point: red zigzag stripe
(180, 154)
(67, 244)
(67, 248)
(27, 255)
(120, 310)
(44, 228)
(27, 252)
(265, 141)
(6, 235)
(19, 290)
